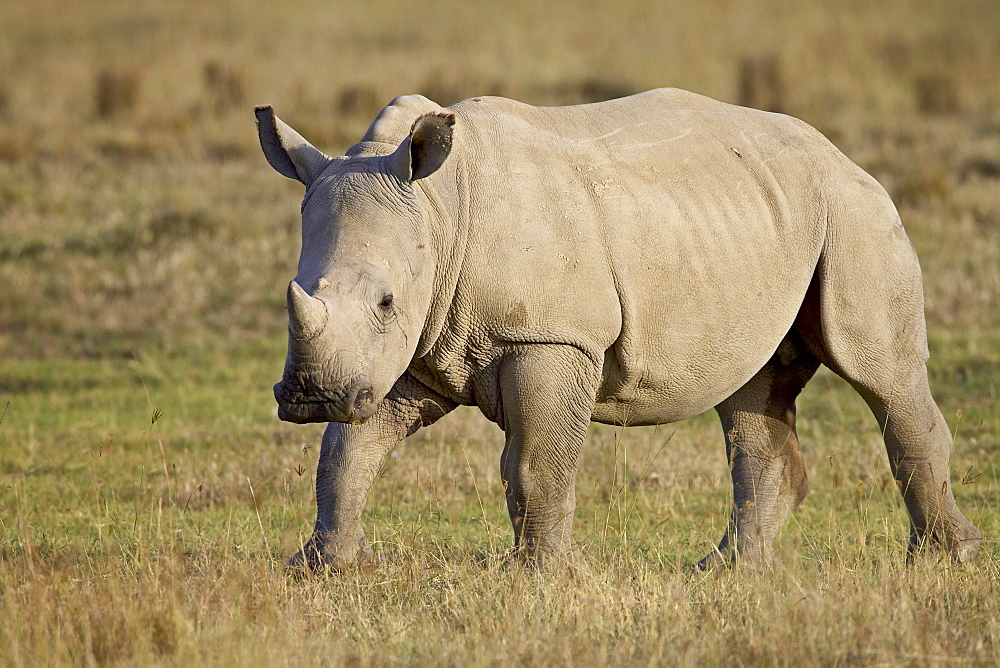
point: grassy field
(148, 493)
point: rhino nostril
(363, 405)
(363, 398)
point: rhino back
(669, 236)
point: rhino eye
(386, 302)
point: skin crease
(636, 261)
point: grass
(148, 495)
(126, 540)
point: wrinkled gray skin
(637, 262)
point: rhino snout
(353, 404)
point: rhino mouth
(352, 404)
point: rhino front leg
(349, 460)
(547, 395)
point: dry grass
(427, 609)
(143, 245)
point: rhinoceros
(631, 262)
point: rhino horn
(307, 315)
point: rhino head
(357, 306)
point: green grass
(144, 249)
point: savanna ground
(148, 494)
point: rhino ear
(425, 150)
(286, 150)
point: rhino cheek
(391, 363)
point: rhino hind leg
(769, 477)
(547, 394)
(918, 443)
(865, 320)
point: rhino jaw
(352, 405)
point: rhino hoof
(712, 561)
(314, 558)
(968, 545)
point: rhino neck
(444, 200)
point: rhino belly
(696, 326)
(683, 381)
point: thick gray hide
(636, 262)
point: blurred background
(136, 211)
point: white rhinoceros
(635, 262)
